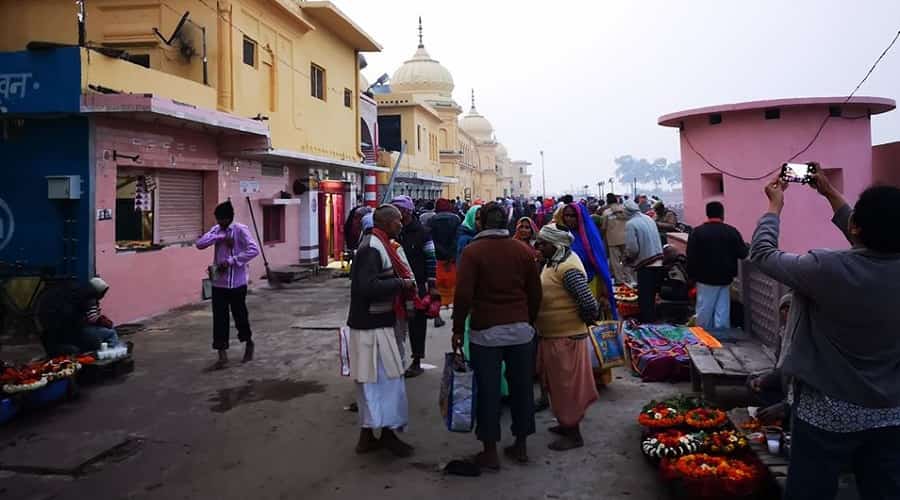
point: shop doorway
(331, 221)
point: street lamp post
(543, 176)
(612, 188)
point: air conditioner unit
(63, 187)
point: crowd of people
(525, 280)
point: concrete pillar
(309, 227)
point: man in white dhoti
(381, 285)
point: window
(715, 118)
(317, 82)
(419, 137)
(773, 114)
(273, 224)
(158, 207)
(271, 170)
(712, 185)
(135, 205)
(249, 51)
(348, 98)
(140, 59)
(389, 136)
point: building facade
(445, 152)
(747, 144)
(161, 110)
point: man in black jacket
(419, 249)
(713, 252)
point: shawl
(588, 245)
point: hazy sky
(586, 80)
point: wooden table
(728, 365)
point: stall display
(705, 418)
(660, 416)
(699, 452)
(672, 443)
(727, 442)
(709, 476)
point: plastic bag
(609, 350)
(457, 400)
(344, 342)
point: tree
(657, 172)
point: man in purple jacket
(235, 248)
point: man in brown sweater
(499, 286)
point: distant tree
(657, 172)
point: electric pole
(543, 176)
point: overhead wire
(812, 141)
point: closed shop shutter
(180, 210)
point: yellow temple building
(445, 153)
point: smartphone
(798, 172)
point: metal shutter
(180, 206)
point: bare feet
(393, 443)
(367, 442)
(487, 461)
(518, 452)
(222, 362)
(558, 430)
(570, 438)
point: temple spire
(421, 43)
(473, 99)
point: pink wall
(233, 171)
(747, 144)
(151, 282)
(886, 163)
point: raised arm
(210, 238)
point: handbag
(457, 396)
(609, 349)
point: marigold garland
(725, 442)
(705, 418)
(660, 416)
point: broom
(270, 277)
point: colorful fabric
(834, 415)
(534, 229)
(659, 352)
(401, 270)
(404, 202)
(705, 338)
(469, 220)
(565, 369)
(446, 281)
(590, 249)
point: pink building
(752, 139)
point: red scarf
(401, 270)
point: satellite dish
(168, 41)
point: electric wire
(812, 141)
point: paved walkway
(277, 429)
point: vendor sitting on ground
(97, 328)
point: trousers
(621, 272)
(648, 282)
(486, 361)
(713, 306)
(818, 457)
(235, 301)
(418, 328)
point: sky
(586, 81)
